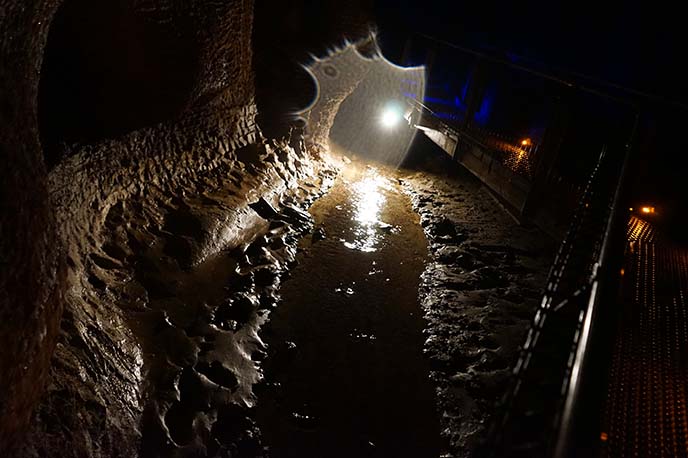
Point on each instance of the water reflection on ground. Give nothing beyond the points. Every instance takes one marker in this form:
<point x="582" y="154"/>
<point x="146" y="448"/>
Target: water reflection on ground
<point x="369" y="191"/>
<point x="353" y="381"/>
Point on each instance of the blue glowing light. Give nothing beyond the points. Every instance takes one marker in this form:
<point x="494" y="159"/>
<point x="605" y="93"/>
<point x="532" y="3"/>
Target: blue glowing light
<point x="482" y="116"/>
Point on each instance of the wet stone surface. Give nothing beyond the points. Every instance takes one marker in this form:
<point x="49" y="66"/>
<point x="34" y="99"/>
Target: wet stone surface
<point x="159" y="351"/>
<point x="479" y="290"/>
<point x="179" y="322"/>
<point x="349" y="363"/>
<point x="345" y="374"/>
<point x="200" y="331"/>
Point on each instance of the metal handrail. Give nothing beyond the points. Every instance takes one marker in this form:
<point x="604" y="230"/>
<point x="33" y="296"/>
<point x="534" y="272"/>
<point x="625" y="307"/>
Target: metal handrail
<point x="588" y="292"/>
<point x="602" y="271"/>
<point x="551" y="303"/>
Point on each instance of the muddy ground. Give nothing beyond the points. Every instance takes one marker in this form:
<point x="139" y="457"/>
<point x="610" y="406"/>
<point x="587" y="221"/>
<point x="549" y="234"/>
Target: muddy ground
<point x="346" y="375"/>
<point x="479" y="291"/>
<point x="481" y="280"/>
<point x="158" y="348"/>
<point x="179" y="307"/>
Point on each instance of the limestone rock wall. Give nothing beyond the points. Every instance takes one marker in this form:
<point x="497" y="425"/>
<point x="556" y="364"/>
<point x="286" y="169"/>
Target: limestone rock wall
<point x="53" y="224"/>
<point x="286" y="37"/>
<point x="91" y="216"/>
<point x="96" y="393"/>
<point x="31" y="283"/>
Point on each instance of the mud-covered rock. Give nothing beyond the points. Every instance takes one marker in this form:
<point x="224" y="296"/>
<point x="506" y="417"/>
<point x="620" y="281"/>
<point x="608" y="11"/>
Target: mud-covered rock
<point x="131" y="149"/>
<point x="479" y="293"/>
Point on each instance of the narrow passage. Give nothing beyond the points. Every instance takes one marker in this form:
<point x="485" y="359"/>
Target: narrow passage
<point x="346" y="376"/>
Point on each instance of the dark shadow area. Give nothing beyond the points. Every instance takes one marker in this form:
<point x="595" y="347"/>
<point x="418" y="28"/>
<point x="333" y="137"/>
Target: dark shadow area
<point x="659" y="173"/>
<point x="423" y="150"/>
<point x="108" y="70"/>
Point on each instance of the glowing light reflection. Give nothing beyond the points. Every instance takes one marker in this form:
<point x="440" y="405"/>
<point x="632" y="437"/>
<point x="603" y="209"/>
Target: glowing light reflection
<point x="391" y="117"/>
<point x="369" y="200"/>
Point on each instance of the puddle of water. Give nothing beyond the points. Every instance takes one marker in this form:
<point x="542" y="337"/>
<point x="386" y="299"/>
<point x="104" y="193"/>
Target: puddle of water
<point x="368" y="195"/>
<point x="346" y="376"/>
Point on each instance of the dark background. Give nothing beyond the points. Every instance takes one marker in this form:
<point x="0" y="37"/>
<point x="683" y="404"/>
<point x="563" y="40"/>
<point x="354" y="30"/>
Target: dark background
<point x="639" y="46"/>
<point x="634" y="51"/>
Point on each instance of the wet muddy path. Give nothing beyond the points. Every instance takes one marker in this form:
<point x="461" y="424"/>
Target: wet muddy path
<point x="346" y="375"/>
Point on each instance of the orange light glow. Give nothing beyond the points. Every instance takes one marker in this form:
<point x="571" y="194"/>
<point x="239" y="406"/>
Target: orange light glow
<point x="622" y="272"/>
<point x="604" y="437"/>
<point x="647" y="210"/>
<point x="630" y="209"/>
<point x="525" y="142"/>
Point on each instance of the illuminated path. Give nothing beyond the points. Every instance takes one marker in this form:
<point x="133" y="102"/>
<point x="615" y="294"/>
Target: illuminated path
<point x="645" y="415"/>
<point x="346" y="376"/>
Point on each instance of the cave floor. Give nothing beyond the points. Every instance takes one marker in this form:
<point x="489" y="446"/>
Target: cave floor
<point x="346" y="375"/>
<point x="392" y="311"/>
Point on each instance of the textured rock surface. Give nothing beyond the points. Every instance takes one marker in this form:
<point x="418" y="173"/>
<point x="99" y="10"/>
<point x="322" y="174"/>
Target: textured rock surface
<point x="165" y="235"/>
<point x="180" y="182"/>
<point x="479" y="292"/>
<point x="338" y="75"/>
<point x="146" y="351"/>
<point x="283" y="88"/>
<point x="180" y="202"/>
<point x="31" y="271"/>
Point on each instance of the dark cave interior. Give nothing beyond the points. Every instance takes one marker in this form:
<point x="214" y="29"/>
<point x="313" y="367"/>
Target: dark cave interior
<point x="108" y="70"/>
<point x="217" y="239"/>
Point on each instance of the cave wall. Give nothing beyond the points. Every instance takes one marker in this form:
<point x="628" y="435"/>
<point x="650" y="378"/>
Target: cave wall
<point x="287" y="35"/>
<point x="53" y="224"/>
<point x="356" y="126"/>
<point x="117" y="67"/>
<point x="73" y="167"/>
<point x="108" y="69"/>
<point x="338" y="76"/>
<point x="31" y="283"/>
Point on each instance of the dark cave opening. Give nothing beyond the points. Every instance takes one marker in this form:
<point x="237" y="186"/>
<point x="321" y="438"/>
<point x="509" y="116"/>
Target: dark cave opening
<point x="109" y="69"/>
<point x="286" y="36"/>
<point x="283" y="87"/>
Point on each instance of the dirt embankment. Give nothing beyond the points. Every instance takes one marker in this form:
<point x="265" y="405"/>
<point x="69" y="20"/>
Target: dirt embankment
<point x="172" y="280"/>
<point x="158" y="344"/>
<point x="479" y="291"/>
